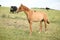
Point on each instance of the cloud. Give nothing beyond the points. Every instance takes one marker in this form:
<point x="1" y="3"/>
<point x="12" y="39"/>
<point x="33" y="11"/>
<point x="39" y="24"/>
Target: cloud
<point x="55" y="4"/>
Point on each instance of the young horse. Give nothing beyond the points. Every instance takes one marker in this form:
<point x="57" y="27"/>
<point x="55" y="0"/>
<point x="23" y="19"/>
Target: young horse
<point x="34" y="16"/>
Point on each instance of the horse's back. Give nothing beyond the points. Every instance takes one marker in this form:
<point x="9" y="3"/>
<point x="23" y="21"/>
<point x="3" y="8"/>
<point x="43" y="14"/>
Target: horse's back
<point x="38" y="16"/>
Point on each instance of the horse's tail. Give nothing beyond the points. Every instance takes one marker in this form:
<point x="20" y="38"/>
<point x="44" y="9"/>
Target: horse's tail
<point x="48" y="22"/>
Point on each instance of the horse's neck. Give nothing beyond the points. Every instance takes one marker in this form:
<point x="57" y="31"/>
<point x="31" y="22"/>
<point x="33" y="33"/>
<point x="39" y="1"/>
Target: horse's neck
<point x="28" y="13"/>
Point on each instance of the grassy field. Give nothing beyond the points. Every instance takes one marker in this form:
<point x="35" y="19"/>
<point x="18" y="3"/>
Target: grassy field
<point x="16" y="27"/>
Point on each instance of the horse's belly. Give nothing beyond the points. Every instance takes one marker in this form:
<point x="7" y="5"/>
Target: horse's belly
<point x="37" y="17"/>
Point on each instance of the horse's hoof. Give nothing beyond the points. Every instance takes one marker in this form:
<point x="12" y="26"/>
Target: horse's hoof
<point x="30" y="34"/>
<point x="46" y="31"/>
<point x="39" y="32"/>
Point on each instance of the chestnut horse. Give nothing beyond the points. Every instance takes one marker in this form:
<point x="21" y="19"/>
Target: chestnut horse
<point x="34" y="16"/>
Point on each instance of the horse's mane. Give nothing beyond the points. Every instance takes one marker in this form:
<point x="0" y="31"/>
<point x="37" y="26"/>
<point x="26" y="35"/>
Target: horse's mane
<point x="26" y="8"/>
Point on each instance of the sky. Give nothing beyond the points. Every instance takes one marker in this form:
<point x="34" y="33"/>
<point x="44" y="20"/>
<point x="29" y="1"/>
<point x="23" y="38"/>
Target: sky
<point x="54" y="4"/>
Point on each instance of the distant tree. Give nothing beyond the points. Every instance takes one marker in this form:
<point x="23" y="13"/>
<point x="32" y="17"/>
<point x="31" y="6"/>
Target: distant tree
<point x="13" y="9"/>
<point x="0" y="5"/>
<point x="47" y="8"/>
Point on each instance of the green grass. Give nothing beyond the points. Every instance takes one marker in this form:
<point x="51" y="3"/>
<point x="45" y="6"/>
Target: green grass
<point x="16" y="27"/>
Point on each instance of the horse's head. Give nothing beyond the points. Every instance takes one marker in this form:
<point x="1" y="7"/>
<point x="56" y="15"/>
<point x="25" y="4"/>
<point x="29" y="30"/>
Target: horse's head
<point x="22" y="8"/>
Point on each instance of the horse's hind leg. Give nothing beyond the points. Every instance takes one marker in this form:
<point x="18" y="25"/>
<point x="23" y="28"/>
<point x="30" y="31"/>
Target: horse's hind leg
<point x="45" y="25"/>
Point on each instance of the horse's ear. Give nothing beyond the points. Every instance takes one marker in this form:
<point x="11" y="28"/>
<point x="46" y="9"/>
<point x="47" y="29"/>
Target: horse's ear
<point x="21" y="4"/>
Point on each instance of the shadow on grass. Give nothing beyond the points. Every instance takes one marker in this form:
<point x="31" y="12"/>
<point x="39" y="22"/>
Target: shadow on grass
<point x="58" y="22"/>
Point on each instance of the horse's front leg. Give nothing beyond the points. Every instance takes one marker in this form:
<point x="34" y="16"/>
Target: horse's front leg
<point x="30" y="23"/>
<point x="40" y="26"/>
<point x="30" y="28"/>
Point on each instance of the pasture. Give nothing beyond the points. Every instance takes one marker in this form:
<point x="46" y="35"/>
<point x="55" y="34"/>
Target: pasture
<point x="16" y="27"/>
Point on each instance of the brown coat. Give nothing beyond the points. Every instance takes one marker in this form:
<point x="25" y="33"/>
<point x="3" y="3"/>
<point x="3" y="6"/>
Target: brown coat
<point x="34" y="16"/>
